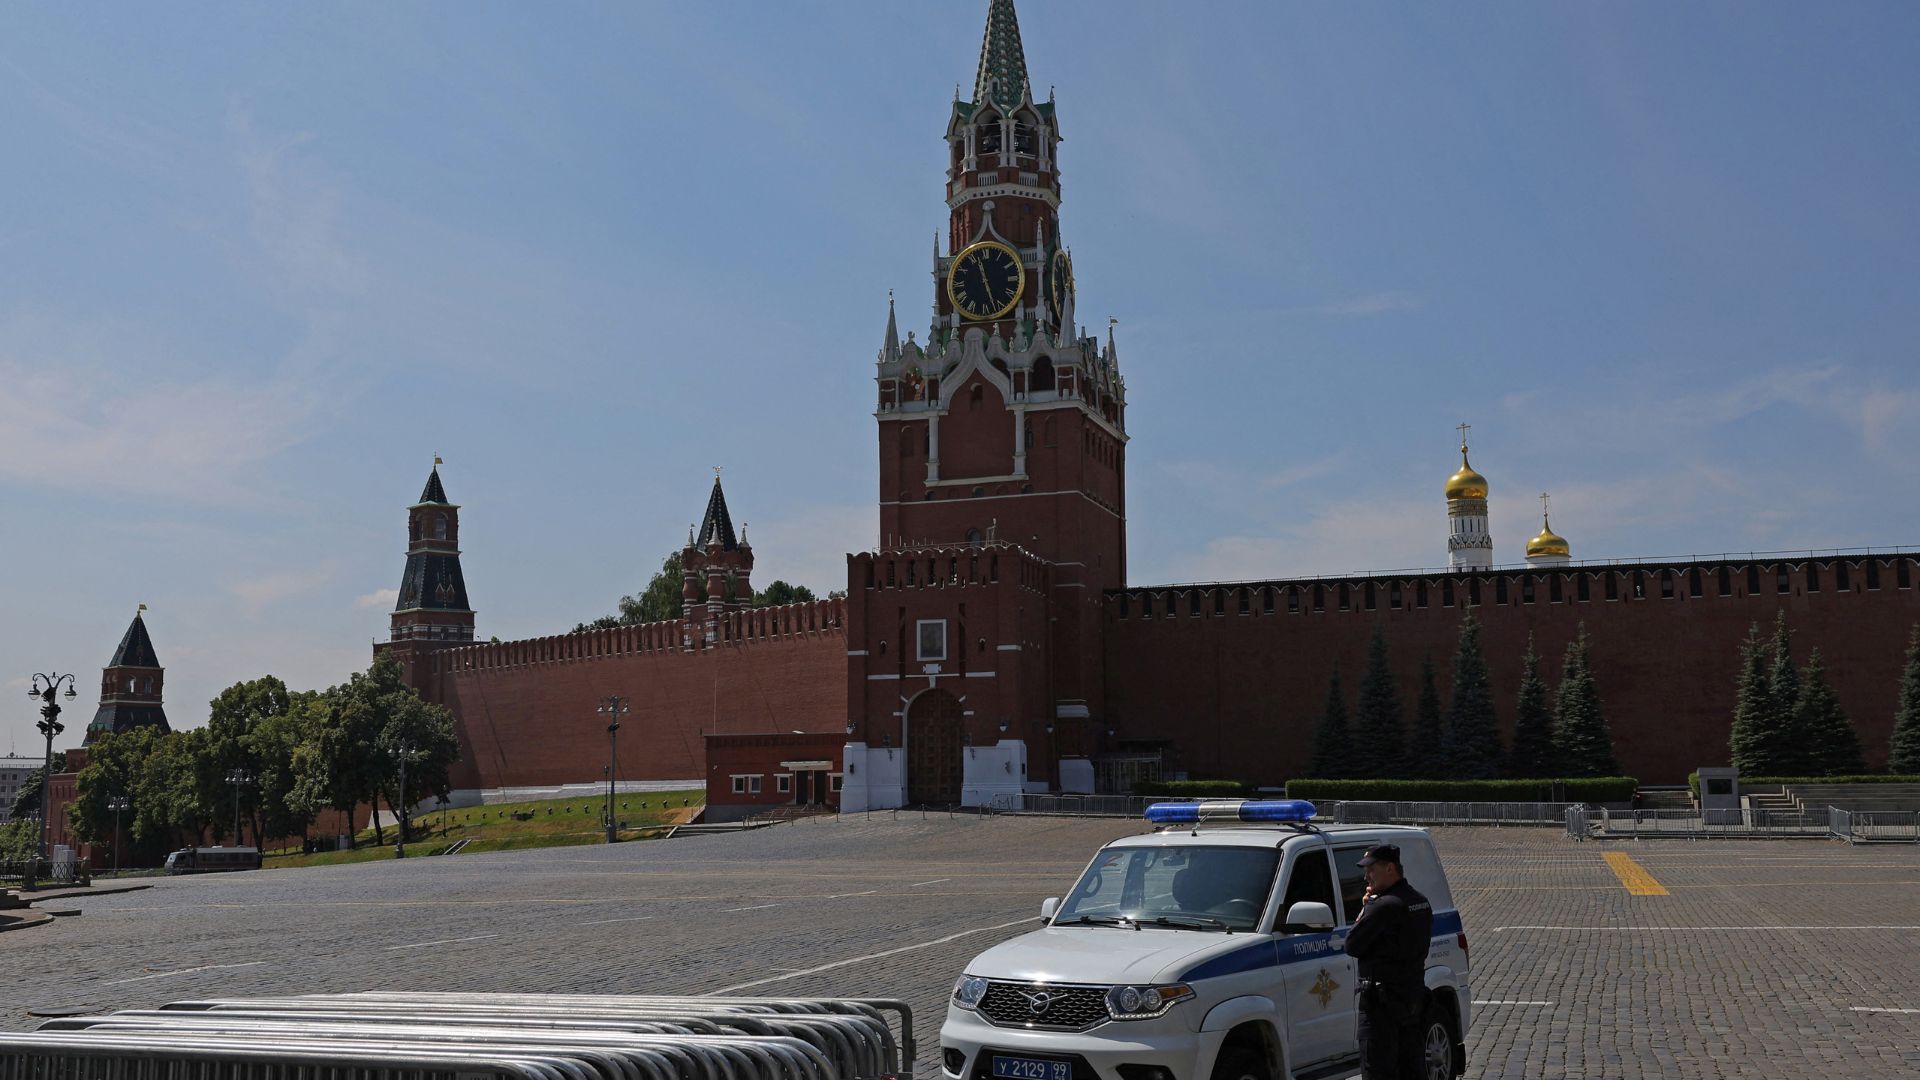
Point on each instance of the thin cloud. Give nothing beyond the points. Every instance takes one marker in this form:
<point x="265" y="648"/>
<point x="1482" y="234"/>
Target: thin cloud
<point x="378" y="598"/>
<point x="257" y="594"/>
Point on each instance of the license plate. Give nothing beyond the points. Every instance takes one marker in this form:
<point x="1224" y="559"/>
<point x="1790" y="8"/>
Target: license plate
<point x="1032" y="1068"/>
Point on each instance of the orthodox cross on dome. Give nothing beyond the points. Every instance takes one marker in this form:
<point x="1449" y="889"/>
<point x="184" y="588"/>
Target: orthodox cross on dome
<point x="1462" y="429"/>
<point x="1543" y="506"/>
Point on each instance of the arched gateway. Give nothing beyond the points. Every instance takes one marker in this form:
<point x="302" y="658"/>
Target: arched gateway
<point x="933" y="749"/>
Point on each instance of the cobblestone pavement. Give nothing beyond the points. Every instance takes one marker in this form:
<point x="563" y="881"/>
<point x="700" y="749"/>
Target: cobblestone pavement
<point x="1753" y="959"/>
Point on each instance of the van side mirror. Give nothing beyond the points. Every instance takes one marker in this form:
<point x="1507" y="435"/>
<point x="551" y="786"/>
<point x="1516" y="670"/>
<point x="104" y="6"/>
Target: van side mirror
<point x="1052" y="904"/>
<point x="1310" y="914"/>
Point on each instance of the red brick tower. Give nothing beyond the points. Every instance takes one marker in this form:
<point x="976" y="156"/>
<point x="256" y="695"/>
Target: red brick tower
<point x="716" y="571"/>
<point x="1005" y="431"/>
<point x="130" y="686"/>
<point x="432" y="612"/>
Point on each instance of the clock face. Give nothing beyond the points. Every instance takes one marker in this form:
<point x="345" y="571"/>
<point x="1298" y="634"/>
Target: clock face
<point x="986" y="280"/>
<point x="1059" y="284"/>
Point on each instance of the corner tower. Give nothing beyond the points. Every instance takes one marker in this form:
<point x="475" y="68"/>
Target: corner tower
<point x="432" y="612"/>
<point x="130" y="686"/>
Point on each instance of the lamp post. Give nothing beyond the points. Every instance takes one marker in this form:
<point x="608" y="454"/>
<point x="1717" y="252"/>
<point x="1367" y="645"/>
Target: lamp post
<point x="238" y="777"/>
<point x="118" y="804"/>
<point x="404" y="751"/>
<point x="47" y="689"/>
<point x="613" y="708"/>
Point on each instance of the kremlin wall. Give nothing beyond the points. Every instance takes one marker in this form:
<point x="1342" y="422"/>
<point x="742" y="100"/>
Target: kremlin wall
<point x="993" y="644"/>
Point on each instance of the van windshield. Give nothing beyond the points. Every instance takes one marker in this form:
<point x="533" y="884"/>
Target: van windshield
<point x="1191" y="888"/>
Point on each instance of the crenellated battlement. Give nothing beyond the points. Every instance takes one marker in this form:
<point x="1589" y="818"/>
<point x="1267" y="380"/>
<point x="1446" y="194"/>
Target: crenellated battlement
<point x="743" y="627"/>
<point x="1761" y="574"/>
<point x="950" y="567"/>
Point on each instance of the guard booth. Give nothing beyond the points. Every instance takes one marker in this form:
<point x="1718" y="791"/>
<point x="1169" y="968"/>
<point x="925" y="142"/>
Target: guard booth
<point x="1720" y="795"/>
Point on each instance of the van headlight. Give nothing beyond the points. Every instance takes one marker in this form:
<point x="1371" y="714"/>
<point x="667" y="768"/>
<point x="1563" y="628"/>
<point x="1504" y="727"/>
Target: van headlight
<point x="1145" y="1002"/>
<point x="968" y="990"/>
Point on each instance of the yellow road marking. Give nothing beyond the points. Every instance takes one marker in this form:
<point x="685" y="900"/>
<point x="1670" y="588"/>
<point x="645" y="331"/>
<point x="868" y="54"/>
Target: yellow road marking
<point x="1632" y="875"/>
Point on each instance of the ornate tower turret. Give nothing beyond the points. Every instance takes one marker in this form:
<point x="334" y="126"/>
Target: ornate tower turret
<point x="432" y="612"/>
<point x="1469" y="545"/>
<point x="722" y="563"/>
<point x="130" y="686"/>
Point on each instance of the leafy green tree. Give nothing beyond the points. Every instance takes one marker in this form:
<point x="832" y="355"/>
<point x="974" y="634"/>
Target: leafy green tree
<point x="348" y="766"/>
<point x="173" y="801"/>
<point x="1904" y="755"/>
<point x="661" y="601"/>
<point x="1532" y="756"/>
<point x="424" y="734"/>
<point x="1754" y="743"/>
<point x="1425" y="747"/>
<point x="1833" y="746"/>
<point x="1379" y="726"/>
<point x="1333" y="757"/>
<point x="1582" y="742"/>
<point x="233" y="719"/>
<point x="1470" y="742"/>
<point x="285" y="807"/>
<point x="779" y="592"/>
<point x="115" y="763"/>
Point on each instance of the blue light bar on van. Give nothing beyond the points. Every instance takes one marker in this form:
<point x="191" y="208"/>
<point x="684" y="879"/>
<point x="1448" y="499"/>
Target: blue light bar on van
<point x="1266" y="810"/>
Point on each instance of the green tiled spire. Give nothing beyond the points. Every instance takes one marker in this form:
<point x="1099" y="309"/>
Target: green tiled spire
<point x="1003" y="63"/>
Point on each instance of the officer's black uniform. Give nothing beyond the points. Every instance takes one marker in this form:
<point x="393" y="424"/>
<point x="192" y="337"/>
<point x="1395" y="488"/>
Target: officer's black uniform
<point x="1390" y="941"/>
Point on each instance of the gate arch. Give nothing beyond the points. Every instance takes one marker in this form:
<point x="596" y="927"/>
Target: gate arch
<point x="933" y="749"/>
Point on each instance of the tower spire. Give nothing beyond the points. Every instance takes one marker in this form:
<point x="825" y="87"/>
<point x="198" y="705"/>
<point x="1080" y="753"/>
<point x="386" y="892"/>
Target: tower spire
<point x="890" y="348"/>
<point x="1003" y="62"/>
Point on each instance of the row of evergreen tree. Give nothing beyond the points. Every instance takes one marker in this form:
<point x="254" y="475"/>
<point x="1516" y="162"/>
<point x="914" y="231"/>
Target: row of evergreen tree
<point x="1787" y="721"/>
<point x="1562" y="733"/>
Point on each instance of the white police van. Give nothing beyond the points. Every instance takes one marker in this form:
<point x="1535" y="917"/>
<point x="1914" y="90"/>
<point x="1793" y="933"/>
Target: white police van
<point x="1192" y="953"/>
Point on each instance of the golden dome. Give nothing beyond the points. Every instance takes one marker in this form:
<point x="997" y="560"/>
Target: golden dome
<point x="1548" y="543"/>
<point x="1466" y="484"/>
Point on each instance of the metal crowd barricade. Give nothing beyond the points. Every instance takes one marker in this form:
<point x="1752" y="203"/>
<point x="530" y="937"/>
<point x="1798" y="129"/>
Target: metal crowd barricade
<point x="1880" y="826"/>
<point x="1375" y="812"/>
<point x="1084" y="805"/>
<point x="426" y="1036"/>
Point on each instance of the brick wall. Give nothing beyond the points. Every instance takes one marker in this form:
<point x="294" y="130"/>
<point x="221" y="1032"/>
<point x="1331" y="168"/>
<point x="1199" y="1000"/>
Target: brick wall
<point x="526" y="709"/>
<point x="1240" y="694"/>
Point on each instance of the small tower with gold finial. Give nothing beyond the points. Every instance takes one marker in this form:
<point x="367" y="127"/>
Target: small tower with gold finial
<point x="1548" y="548"/>
<point x="1469" y="544"/>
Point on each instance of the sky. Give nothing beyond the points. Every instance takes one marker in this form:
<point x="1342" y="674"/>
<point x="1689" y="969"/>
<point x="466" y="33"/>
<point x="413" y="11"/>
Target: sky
<point x="263" y="262"/>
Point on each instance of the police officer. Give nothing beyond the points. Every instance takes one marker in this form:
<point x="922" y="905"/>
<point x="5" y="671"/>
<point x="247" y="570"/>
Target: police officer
<point x="1390" y="942"/>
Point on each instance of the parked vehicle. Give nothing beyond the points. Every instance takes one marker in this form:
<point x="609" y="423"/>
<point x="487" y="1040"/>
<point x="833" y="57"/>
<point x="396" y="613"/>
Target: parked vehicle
<point x="212" y="860"/>
<point x="1212" y="948"/>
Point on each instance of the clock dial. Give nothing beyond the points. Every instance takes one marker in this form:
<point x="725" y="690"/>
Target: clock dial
<point x="1059" y="284"/>
<point x="986" y="280"/>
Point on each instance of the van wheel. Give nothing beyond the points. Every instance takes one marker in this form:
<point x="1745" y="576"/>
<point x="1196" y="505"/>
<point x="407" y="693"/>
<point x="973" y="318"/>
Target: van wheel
<point x="1240" y="1063"/>
<point x="1436" y="1043"/>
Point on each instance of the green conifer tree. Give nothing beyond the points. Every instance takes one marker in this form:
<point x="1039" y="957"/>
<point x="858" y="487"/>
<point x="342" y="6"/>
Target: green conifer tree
<point x="1470" y="741"/>
<point x="1833" y="746"/>
<point x="1794" y="755"/>
<point x="1381" y="730"/>
<point x="1754" y="744"/>
<point x="1582" y="742"/>
<point x="1904" y="755"/>
<point x="1532" y="756"/>
<point x="1423" y="760"/>
<point x="1333" y="757"/>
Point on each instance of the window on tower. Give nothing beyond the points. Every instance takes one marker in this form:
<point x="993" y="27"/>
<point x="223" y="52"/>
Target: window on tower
<point x="988" y="139"/>
<point x="1023" y="138"/>
<point x="439" y="526"/>
<point x="1042" y="378"/>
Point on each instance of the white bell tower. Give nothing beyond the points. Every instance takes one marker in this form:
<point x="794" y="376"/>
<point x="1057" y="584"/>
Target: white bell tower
<point x="1469" y="544"/>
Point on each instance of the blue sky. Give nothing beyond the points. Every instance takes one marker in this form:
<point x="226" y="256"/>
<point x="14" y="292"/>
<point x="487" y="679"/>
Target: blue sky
<point x="264" y="261"/>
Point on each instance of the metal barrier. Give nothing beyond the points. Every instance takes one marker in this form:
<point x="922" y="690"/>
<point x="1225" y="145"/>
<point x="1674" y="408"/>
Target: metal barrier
<point x="389" y="1036"/>
<point x="1131" y="806"/>
<point x="1356" y="812"/>
<point x="1874" y="826"/>
<point x="29" y="873"/>
<point x="1586" y="823"/>
<point x="1580" y="821"/>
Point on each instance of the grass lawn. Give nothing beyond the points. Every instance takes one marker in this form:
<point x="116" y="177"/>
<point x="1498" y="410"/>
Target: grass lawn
<point x="505" y="826"/>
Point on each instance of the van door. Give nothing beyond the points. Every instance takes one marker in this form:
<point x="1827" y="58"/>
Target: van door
<point x="1315" y="969"/>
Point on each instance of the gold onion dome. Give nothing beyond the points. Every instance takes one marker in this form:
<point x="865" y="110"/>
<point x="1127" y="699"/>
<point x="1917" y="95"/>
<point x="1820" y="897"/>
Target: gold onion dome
<point x="1466" y="484"/>
<point x="1547" y="542"/>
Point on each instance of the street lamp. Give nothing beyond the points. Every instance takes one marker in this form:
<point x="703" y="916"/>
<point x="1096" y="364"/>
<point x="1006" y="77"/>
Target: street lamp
<point x="613" y="708"/>
<point x="119" y="805"/>
<point x="238" y="777"/>
<point x="47" y="689"/>
<point x="404" y="751"/>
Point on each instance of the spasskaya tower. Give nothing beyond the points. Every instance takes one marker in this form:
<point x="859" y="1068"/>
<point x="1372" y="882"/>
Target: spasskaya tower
<point x="1002" y="446"/>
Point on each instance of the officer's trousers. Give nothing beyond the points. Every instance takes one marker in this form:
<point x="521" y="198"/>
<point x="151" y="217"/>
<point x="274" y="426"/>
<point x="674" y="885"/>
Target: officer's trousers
<point x="1389" y="1049"/>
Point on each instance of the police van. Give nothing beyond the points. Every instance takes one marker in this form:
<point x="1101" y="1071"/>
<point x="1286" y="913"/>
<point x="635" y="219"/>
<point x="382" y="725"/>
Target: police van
<point x="1213" y="947"/>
